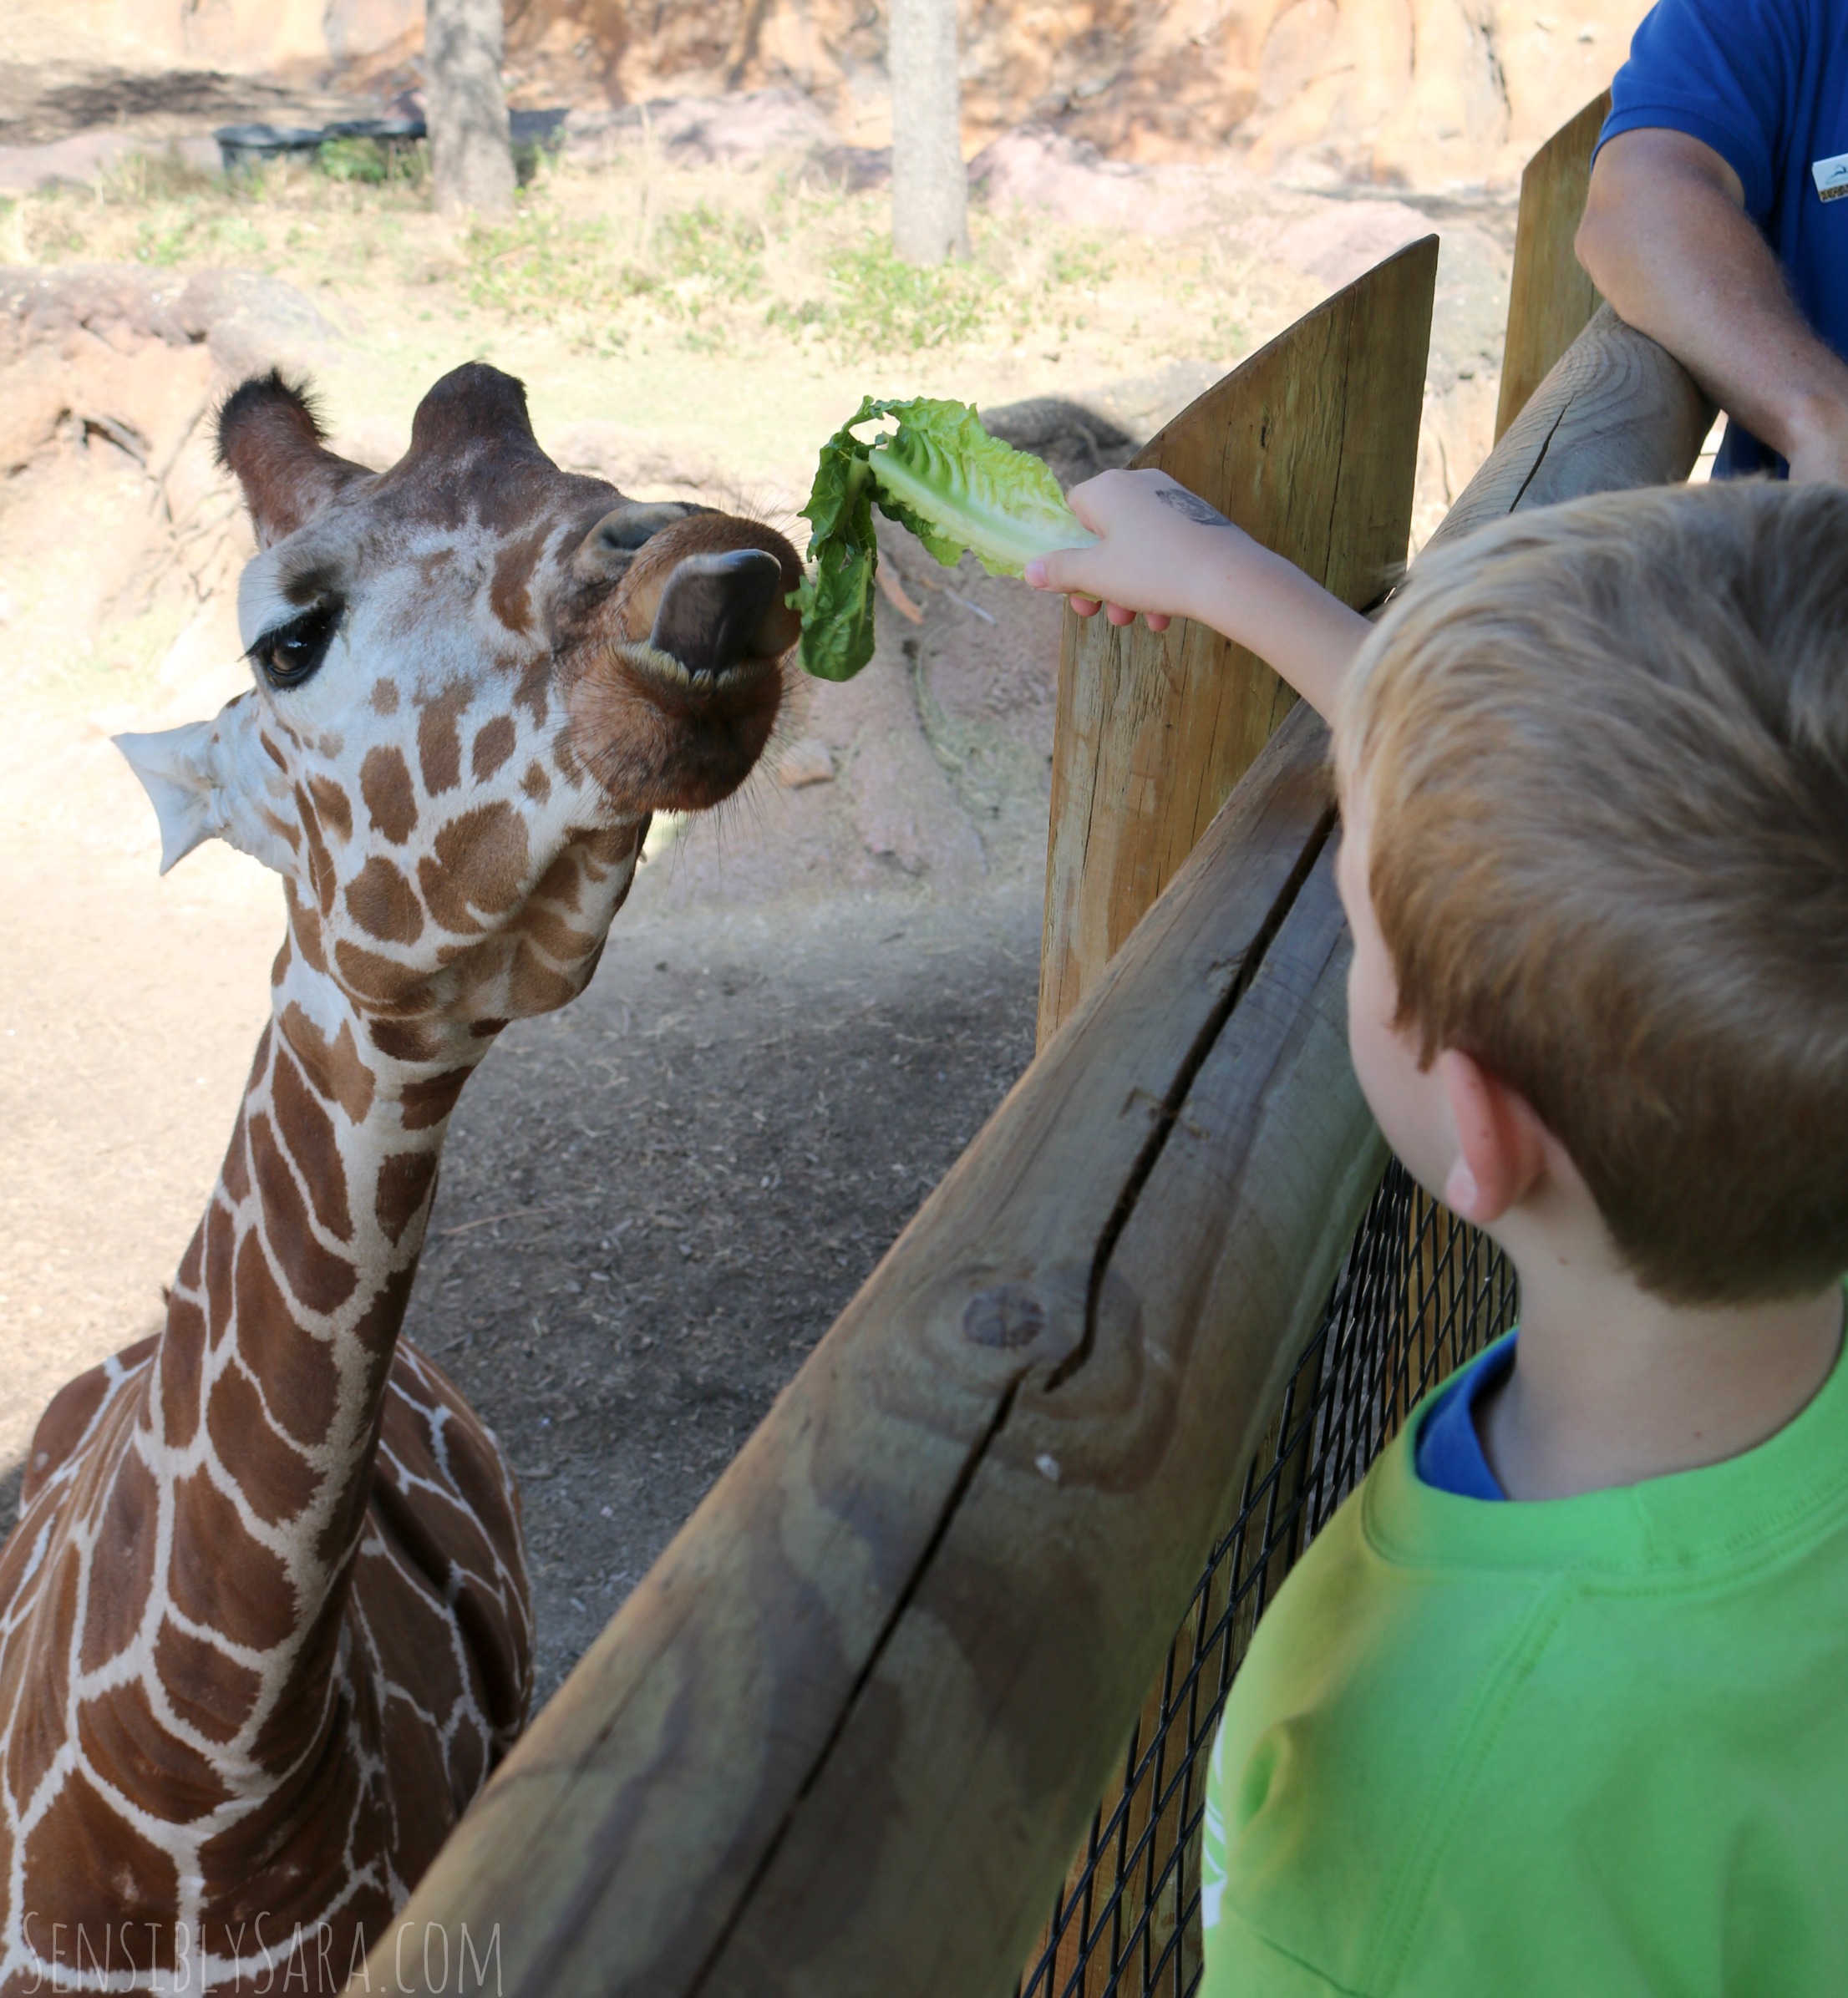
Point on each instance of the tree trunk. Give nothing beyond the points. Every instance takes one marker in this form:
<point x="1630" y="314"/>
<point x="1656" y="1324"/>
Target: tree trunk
<point x="471" y="154"/>
<point x="930" y="183"/>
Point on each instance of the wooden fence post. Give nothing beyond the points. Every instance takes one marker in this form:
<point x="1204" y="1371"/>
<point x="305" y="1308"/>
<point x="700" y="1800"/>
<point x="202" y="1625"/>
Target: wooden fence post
<point x="1551" y="299"/>
<point x="1312" y="447"/>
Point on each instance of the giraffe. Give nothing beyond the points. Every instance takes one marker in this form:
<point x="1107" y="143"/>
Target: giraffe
<point x="264" y="1620"/>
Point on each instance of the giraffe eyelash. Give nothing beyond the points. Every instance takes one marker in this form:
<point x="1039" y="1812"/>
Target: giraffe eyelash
<point x="289" y="654"/>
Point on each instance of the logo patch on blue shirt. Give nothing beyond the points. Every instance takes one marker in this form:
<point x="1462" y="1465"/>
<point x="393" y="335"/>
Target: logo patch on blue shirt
<point x="1831" y="177"/>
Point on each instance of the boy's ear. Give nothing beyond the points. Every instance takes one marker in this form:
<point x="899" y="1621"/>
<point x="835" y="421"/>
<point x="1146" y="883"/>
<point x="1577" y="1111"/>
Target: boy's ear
<point x="1502" y="1143"/>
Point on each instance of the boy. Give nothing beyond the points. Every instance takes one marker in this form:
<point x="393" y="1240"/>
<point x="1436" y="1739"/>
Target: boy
<point x="1558" y="1702"/>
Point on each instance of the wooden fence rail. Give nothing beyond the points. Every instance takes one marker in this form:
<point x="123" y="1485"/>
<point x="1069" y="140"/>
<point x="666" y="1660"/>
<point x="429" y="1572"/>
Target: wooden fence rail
<point x="847" y="1733"/>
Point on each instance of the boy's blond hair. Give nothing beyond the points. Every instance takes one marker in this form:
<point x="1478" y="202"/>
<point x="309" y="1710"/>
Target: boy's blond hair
<point x="1602" y="751"/>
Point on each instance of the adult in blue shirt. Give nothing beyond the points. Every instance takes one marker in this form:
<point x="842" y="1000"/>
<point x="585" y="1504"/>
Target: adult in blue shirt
<point x="1718" y="220"/>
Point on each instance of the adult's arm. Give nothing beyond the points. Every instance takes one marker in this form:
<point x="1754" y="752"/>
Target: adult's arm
<point x="1666" y="240"/>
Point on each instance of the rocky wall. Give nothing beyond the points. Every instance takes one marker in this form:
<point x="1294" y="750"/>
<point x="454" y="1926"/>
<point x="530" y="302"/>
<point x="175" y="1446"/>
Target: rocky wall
<point x="1419" y="93"/>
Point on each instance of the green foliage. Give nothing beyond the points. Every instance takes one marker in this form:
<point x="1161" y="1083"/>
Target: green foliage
<point x="350" y="159"/>
<point x="544" y="266"/>
<point x="196" y="231"/>
<point x="707" y="254"/>
<point x="883" y="303"/>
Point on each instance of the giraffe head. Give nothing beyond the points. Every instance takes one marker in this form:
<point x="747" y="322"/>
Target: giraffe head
<point x="475" y="676"/>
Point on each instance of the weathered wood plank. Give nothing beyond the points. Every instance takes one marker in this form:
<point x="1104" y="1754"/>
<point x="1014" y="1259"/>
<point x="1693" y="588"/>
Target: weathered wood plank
<point x="631" y="1830"/>
<point x="1120" y="1463"/>
<point x="1615" y="411"/>
<point x="1551" y="299"/>
<point x="1310" y="446"/>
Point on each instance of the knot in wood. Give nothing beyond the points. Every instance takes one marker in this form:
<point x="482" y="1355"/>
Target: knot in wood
<point x="1008" y="1315"/>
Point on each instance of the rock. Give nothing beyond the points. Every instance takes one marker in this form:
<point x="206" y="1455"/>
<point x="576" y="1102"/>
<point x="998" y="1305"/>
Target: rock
<point x="1341" y="241"/>
<point x="739" y="130"/>
<point x="1076" y="441"/>
<point x="807" y="762"/>
<point x="252" y="322"/>
<point x="1035" y="167"/>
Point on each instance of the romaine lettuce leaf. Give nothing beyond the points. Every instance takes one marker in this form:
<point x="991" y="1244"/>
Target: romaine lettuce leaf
<point x="941" y="475"/>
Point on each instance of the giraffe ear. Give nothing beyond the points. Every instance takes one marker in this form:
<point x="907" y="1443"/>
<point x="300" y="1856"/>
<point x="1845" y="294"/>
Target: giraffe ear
<point x="175" y="767"/>
<point x="270" y="436"/>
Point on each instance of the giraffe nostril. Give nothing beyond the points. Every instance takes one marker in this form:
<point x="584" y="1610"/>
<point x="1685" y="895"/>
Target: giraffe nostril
<point x="717" y="610"/>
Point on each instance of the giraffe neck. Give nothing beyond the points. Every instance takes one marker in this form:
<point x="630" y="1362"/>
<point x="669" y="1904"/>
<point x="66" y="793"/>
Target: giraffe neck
<point x="265" y="1406"/>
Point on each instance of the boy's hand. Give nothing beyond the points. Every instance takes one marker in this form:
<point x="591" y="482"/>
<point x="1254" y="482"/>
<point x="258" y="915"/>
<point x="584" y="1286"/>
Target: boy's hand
<point x="1153" y="537"/>
<point x="1166" y="553"/>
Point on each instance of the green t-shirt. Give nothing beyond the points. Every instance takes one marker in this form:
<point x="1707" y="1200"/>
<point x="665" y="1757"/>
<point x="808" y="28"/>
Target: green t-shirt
<point x="1568" y="1748"/>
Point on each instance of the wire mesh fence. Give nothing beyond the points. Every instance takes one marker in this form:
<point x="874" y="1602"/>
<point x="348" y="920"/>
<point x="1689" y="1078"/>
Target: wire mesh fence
<point x="1418" y="1293"/>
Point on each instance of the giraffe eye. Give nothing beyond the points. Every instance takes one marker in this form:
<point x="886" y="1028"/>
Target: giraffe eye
<point x="290" y="653"/>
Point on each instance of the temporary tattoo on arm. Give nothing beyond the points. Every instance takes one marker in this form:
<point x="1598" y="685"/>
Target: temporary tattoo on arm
<point x="1192" y="505"/>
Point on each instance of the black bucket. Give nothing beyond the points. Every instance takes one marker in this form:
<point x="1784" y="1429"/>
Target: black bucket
<point x="251" y="144"/>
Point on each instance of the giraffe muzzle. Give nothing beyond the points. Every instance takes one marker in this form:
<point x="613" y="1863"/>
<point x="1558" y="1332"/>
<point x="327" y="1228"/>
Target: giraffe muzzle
<point x="724" y="614"/>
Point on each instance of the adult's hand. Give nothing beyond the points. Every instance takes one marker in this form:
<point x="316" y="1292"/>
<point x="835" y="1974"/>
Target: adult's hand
<point x="1666" y="240"/>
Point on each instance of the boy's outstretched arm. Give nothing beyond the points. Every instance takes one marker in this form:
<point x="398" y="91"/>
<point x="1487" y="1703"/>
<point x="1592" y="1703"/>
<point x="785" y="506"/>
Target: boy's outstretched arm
<point x="1166" y="553"/>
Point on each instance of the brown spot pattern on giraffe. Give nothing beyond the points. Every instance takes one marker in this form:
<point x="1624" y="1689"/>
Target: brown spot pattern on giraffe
<point x="535" y="987"/>
<point x="145" y="1759"/>
<point x="377" y="980"/>
<point x="221" y="1262"/>
<point x="112" y="1878"/>
<point x="485" y="852"/>
<point x="320" y="1280"/>
<point x="278" y="1482"/>
<point x="334" y="806"/>
<point x="384" y="905"/>
<point x="562" y="883"/>
<point x="403" y="1180"/>
<point x="554" y="935"/>
<point x="182" y="1359"/>
<point x="536" y="784"/>
<point x="533" y="692"/>
<point x="440" y="742"/>
<point x="305" y="927"/>
<point x="391" y="799"/>
<point x="321" y="870"/>
<point x="423" y="1104"/>
<point x="31" y="1751"/>
<point x="313" y="1144"/>
<point x="384" y="697"/>
<point x="303" y="1380"/>
<point x="210" y="1692"/>
<point x="406" y="1040"/>
<point x="494" y="743"/>
<point x="113" y="1614"/>
<point x="447" y="899"/>
<point x="508" y="597"/>
<point x="240" y="1590"/>
<point x="337" y="1070"/>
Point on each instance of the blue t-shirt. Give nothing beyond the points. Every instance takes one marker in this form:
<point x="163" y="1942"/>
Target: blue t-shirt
<point x="1765" y="82"/>
<point x="1449" y="1456"/>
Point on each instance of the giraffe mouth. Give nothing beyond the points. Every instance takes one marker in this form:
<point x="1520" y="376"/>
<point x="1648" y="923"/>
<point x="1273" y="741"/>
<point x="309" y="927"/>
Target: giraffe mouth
<point x="674" y="721"/>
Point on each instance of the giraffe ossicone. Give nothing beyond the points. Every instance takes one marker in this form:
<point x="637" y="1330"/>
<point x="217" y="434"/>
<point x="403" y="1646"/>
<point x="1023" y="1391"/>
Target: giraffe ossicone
<point x="264" y="1621"/>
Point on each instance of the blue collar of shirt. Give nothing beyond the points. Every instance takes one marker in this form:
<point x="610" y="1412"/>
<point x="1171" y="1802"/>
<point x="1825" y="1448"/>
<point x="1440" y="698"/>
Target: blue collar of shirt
<point x="1449" y="1456"/>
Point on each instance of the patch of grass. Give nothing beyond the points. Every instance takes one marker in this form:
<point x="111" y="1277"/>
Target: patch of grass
<point x="544" y="266"/>
<point x="706" y="252"/>
<point x="361" y="160"/>
<point x="879" y="302"/>
<point x="191" y="231"/>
